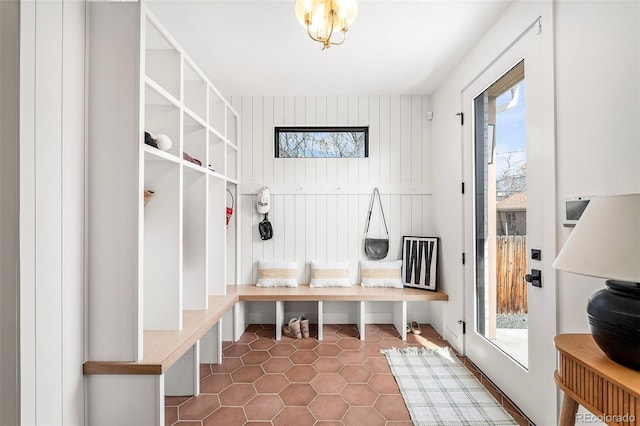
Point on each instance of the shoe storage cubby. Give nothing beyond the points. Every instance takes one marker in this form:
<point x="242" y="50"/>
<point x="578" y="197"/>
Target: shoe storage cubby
<point x="152" y="265"/>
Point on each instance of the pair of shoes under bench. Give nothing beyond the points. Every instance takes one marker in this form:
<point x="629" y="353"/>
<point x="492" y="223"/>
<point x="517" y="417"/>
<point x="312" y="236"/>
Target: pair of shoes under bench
<point x="297" y="328"/>
<point x="414" y="328"/>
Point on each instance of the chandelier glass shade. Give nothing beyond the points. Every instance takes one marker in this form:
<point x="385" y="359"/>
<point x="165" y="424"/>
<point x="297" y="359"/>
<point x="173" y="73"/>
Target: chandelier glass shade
<point x="324" y="18"/>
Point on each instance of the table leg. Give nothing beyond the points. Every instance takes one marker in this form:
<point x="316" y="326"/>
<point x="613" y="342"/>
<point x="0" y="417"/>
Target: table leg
<point x="568" y="411"/>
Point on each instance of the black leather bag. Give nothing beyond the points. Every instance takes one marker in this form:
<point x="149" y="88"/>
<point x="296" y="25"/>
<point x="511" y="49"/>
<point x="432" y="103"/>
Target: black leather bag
<point x="265" y="228"/>
<point x="376" y="248"/>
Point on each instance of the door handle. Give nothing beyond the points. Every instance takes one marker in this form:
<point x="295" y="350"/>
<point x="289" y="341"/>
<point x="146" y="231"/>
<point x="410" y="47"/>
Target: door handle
<point x="535" y="278"/>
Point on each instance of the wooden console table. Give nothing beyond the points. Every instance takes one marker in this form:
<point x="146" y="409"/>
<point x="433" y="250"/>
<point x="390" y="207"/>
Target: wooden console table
<point x="589" y="378"/>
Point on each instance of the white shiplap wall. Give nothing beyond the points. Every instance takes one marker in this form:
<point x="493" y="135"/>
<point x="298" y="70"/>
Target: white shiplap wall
<point x="319" y="206"/>
<point x="52" y="118"/>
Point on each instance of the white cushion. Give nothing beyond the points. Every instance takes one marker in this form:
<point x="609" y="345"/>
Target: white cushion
<point x="334" y="274"/>
<point x="381" y="274"/>
<point x="277" y="273"/>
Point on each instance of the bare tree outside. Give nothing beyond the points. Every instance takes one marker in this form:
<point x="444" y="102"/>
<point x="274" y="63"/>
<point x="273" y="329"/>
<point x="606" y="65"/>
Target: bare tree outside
<point x="513" y="175"/>
<point x="321" y="143"/>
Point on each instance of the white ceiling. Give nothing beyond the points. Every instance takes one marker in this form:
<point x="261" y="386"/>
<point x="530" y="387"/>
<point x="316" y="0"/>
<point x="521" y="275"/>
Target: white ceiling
<point x="393" y="47"/>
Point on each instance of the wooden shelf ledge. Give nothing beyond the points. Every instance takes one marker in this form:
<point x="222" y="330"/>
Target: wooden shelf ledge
<point x="353" y="293"/>
<point x="163" y="348"/>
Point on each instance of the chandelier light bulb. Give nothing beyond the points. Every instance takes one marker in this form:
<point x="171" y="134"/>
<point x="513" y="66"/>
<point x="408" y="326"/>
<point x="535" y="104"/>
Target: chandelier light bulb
<point x="324" y="18"/>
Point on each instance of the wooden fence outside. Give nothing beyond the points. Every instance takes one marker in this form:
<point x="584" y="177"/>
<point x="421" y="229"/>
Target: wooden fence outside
<point x="511" y="267"/>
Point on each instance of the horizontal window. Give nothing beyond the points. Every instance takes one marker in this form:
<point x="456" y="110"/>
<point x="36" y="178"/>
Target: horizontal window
<point x="322" y="142"/>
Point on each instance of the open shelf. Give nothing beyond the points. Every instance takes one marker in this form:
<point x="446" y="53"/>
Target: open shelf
<point x="217" y="236"/>
<point x="162" y="60"/>
<point x="162" y="117"/>
<point x="216" y="153"/>
<point x="232" y="126"/>
<point x="194" y="139"/>
<point x="231" y="230"/>
<point x="194" y="257"/>
<point x="162" y="246"/>
<point x="232" y="163"/>
<point x="154" y="268"/>
<point x="217" y="112"/>
<point x="195" y="91"/>
<point x="156" y="95"/>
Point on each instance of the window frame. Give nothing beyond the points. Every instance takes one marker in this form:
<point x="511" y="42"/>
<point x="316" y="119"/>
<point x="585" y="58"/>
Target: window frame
<point x="320" y="129"/>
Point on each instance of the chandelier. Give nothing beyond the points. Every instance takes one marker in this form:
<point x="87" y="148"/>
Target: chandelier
<point x="323" y="18"/>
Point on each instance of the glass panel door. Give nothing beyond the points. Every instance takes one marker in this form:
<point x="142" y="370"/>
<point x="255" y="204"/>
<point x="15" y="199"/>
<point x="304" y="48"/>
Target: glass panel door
<point x="501" y="214"/>
<point x="510" y="106"/>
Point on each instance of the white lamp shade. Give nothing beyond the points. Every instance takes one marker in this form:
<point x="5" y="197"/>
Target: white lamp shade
<point x="606" y="240"/>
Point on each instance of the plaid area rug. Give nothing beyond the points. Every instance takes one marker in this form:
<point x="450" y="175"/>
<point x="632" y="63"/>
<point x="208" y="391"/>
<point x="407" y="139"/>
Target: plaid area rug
<point x="439" y="390"/>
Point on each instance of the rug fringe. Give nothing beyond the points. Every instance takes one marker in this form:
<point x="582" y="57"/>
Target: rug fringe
<point x="413" y="350"/>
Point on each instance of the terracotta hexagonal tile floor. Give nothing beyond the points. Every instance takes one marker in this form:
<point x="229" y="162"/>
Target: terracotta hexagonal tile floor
<point x="328" y="407"/>
<point x="255" y="357"/>
<point x="237" y="394"/>
<point x="226" y="416"/>
<point x="350" y="343"/>
<point x="328" y="365"/>
<point x="338" y="381"/>
<point x="236" y="350"/>
<point x="328" y="383"/>
<point x="277" y="365"/>
<point x="384" y="384"/>
<point x="282" y="349"/>
<point x="262" y="344"/>
<point x="247" y="374"/>
<point x="352" y="357"/>
<point x="294" y="416"/>
<point x="198" y="408"/>
<point x="359" y="395"/>
<point x="298" y="394"/>
<point x="263" y="407"/>
<point x="271" y="383"/>
<point x="390" y="406"/>
<point x="355" y="373"/>
<point x="303" y="357"/>
<point x="327" y="349"/>
<point x="228" y="366"/>
<point x="215" y="383"/>
<point x="363" y="416"/>
<point x="301" y="373"/>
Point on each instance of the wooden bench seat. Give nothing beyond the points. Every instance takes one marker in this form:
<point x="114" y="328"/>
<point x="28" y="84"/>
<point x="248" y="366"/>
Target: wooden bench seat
<point x="162" y="349"/>
<point x="356" y="293"/>
<point x="171" y="359"/>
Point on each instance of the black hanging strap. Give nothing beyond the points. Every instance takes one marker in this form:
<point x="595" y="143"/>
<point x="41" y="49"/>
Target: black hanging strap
<point x="373" y="197"/>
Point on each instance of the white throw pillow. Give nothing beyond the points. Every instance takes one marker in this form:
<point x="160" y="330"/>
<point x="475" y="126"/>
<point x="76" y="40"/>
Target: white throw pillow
<point x="334" y="274"/>
<point x="381" y="274"/>
<point x="277" y="273"/>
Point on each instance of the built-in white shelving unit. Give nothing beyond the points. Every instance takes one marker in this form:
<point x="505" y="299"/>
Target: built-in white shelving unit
<point x="148" y="264"/>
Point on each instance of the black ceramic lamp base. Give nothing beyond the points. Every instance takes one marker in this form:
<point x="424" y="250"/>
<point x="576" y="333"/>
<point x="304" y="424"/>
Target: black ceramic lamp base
<point x="614" y="318"/>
